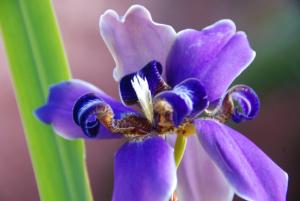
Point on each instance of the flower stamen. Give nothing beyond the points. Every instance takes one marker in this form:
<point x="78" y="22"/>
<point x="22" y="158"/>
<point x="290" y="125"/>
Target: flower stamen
<point x="163" y="114"/>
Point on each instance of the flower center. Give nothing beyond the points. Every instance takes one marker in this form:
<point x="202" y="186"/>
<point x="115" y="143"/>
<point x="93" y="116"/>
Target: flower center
<point x="165" y="110"/>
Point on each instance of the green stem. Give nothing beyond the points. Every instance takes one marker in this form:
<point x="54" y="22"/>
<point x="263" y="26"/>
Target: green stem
<point x="179" y="148"/>
<point x="37" y="60"/>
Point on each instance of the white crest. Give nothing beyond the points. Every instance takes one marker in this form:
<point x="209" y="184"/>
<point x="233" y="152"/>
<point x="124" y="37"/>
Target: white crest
<point x="144" y="96"/>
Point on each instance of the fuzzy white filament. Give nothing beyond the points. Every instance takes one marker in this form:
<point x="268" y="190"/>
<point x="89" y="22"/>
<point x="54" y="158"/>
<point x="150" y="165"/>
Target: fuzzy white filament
<point x="143" y="93"/>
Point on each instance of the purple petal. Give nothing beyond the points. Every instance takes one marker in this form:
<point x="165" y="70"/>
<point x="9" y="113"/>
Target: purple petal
<point x="194" y="94"/>
<point x="188" y="98"/>
<point x="135" y="39"/>
<point x="58" y="111"/>
<point x="199" y="178"/>
<point x="252" y="174"/>
<point x="144" y="171"/>
<point x="246" y="103"/>
<point x="152" y="72"/>
<point x="180" y="109"/>
<point x="216" y="56"/>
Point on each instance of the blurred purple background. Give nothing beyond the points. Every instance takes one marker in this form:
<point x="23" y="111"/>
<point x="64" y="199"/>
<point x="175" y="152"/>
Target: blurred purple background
<point x="276" y="130"/>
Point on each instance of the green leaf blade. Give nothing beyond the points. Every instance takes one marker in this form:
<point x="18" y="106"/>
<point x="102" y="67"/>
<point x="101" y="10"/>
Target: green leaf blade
<point x="37" y="60"/>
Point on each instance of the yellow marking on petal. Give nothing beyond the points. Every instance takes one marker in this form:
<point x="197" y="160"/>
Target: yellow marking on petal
<point x="186" y="129"/>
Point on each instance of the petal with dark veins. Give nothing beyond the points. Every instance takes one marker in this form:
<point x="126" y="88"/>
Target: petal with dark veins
<point x="251" y="173"/>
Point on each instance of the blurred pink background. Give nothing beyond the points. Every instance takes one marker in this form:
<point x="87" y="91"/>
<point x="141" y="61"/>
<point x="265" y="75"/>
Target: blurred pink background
<point x="276" y="130"/>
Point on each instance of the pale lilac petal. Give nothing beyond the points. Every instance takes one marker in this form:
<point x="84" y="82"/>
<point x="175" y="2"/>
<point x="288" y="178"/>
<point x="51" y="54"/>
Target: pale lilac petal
<point x="134" y="39"/>
<point x="252" y="174"/>
<point x="216" y="56"/>
<point x="199" y="179"/>
<point x="58" y="111"/>
<point x="144" y="171"/>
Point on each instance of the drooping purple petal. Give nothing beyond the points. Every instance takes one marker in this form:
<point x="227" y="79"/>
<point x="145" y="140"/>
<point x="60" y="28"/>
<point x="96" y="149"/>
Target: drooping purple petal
<point x="246" y="103"/>
<point x="216" y="56"/>
<point x="187" y="99"/>
<point x="199" y="178"/>
<point x="135" y="39"/>
<point x="252" y="174"/>
<point x="151" y="72"/>
<point x="58" y="111"/>
<point x="144" y="171"/>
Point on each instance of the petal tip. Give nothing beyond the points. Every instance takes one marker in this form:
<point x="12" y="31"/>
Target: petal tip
<point x="111" y="17"/>
<point x="142" y="12"/>
<point x="286" y="176"/>
<point x="243" y="36"/>
<point x="107" y="19"/>
<point x="42" y="114"/>
<point x="138" y="10"/>
<point x="222" y="25"/>
<point x="227" y="22"/>
<point x="253" y="55"/>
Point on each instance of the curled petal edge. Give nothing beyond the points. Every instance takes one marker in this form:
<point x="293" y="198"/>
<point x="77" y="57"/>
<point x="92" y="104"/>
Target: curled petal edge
<point x="58" y="111"/>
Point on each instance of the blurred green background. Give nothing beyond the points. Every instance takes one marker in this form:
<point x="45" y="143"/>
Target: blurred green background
<point x="273" y="28"/>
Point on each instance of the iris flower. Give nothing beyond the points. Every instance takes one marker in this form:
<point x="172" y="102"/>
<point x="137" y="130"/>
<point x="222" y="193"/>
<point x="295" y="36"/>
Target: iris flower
<point x="179" y="84"/>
